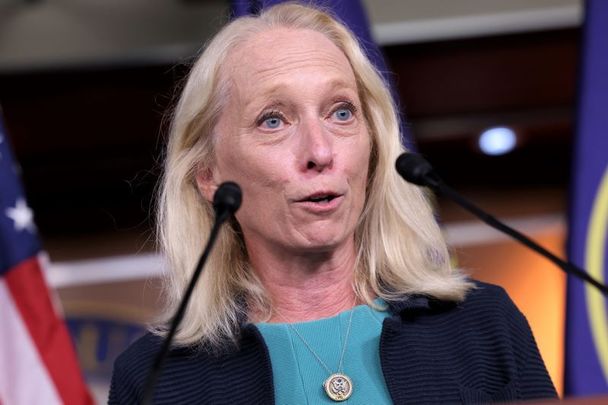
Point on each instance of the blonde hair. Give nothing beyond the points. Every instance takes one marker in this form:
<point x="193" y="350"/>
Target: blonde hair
<point x="400" y="247"/>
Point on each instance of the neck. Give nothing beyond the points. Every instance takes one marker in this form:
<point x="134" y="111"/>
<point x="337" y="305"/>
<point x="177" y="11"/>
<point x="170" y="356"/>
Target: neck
<point x="307" y="286"/>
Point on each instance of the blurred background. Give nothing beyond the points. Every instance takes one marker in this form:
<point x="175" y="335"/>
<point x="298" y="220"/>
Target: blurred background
<point x="487" y="87"/>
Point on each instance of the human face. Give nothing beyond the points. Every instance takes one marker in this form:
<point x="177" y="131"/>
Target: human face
<point x="293" y="136"/>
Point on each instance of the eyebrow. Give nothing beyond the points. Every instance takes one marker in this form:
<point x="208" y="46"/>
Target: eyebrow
<point x="272" y="93"/>
<point x="273" y="105"/>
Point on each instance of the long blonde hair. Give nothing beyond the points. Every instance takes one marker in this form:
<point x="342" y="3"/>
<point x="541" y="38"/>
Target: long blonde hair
<point x="399" y="244"/>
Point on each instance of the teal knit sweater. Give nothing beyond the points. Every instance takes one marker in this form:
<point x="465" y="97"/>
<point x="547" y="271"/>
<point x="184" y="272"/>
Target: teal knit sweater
<point x="297" y="373"/>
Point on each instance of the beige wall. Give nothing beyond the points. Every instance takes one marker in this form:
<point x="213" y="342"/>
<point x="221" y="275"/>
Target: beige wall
<point x="59" y="32"/>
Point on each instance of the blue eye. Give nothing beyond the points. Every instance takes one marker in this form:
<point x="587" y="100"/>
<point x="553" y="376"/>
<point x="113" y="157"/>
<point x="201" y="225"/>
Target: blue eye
<point x="272" y="122"/>
<point x="343" y="114"/>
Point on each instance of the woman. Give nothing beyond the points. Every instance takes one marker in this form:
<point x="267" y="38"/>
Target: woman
<point x="333" y="283"/>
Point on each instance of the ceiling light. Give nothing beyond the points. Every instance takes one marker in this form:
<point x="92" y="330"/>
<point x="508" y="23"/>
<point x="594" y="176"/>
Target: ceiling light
<point x="497" y="141"/>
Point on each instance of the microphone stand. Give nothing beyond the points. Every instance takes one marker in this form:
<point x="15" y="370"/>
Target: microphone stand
<point x="226" y="200"/>
<point x="413" y="168"/>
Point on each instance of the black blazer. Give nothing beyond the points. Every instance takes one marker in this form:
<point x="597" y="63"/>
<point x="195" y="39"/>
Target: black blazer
<point x="477" y="351"/>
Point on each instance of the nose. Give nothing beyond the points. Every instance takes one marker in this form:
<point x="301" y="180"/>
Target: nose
<point x="316" y="145"/>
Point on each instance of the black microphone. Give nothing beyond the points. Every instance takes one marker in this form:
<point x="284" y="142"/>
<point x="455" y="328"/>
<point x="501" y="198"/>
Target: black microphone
<point x="415" y="169"/>
<point x="226" y="201"/>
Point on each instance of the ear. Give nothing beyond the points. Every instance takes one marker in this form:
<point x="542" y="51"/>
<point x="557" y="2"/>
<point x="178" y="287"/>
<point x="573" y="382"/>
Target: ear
<point x="206" y="182"/>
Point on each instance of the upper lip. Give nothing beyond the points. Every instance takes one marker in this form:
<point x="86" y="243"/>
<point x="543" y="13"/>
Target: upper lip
<point x="319" y="195"/>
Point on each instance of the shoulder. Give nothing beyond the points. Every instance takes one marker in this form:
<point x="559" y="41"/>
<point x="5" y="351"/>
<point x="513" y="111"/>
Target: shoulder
<point x="488" y="298"/>
<point x="487" y="316"/>
<point x="490" y="304"/>
<point x="489" y="310"/>
<point x="483" y="343"/>
<point x="141" y="351"/>
<point x="500" y="322"/>
<point x="487" y="291"/>
<point x="248" y="364"/>
<point x="131" y="368"/>
<point x="482" y="300"/>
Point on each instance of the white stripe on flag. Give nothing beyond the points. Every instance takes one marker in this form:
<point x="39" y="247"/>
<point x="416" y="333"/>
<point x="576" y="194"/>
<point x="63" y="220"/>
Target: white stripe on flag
<point x="24" y="379"/>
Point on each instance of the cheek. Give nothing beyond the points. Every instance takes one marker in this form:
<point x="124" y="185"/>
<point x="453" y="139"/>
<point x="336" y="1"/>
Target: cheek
<point x="359" y="173"/>
<point x="359" y="159"/>
<point x="234" y="162"/>
<point x="262" y="176"/>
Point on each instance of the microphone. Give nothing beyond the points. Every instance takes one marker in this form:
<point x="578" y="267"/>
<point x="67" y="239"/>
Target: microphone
<point x="415" y="169"/>
<point x="226" y="201"/>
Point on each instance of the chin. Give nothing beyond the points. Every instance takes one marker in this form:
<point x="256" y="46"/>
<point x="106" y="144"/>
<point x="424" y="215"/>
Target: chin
<point x="324" y="244"/>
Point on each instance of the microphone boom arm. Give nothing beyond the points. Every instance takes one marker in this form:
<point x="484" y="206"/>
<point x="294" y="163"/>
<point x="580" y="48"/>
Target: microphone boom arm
<point x="413" y="168"/>
<point x="567" y="266"/>
<point x="226" y="201"/>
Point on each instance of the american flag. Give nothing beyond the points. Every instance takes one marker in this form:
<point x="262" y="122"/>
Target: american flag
<point x="38" y="364"/>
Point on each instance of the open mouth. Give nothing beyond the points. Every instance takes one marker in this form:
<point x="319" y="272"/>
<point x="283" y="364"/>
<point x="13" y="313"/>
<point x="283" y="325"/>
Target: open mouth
<point x="320" y="199"/>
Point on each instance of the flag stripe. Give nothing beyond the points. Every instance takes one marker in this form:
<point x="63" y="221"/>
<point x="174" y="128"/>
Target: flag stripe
<point x="24" y="378"/>
<point x="48" y="332"/>
<point x="39" y="364"/>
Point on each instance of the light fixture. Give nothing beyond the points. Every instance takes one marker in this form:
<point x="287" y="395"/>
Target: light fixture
<point x="497" y="141"/>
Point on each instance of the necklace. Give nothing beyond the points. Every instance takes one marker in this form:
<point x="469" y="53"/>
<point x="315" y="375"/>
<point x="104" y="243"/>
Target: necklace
<point x="338" y="386"/>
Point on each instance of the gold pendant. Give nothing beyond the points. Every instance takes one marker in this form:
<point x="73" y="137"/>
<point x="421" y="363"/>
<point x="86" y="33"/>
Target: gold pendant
<point x="338" y="387"/>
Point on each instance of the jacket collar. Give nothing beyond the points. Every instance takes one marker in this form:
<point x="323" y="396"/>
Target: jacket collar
<point x="407" y="305"/>
<point x="418" y="303"/>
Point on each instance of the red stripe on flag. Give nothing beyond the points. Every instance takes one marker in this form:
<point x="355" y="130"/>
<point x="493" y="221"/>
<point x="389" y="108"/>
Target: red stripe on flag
<point x="48" y="331"/>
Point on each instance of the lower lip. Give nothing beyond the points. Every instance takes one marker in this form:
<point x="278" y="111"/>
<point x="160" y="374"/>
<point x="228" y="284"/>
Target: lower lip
<point x="323" y="206"/>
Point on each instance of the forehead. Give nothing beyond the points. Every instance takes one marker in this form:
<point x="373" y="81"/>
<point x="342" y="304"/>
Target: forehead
<point x="276" y="54"/>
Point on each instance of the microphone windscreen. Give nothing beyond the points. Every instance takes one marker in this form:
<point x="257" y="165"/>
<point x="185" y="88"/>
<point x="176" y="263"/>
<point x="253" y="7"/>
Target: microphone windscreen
<point x="414" y="169"/>
<point x="227" y="198"/>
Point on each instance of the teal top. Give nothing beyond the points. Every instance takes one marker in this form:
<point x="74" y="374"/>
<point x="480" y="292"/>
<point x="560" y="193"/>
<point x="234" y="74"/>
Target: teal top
<point x="299" y="376"/>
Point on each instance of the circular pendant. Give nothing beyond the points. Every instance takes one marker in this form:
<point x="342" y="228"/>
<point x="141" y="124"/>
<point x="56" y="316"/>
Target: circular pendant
<point x="338" y="387"/>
